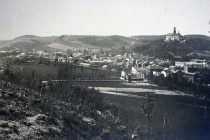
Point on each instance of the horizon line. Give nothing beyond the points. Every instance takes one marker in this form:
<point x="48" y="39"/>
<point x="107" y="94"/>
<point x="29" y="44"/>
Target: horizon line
<point x="97" y="35"/>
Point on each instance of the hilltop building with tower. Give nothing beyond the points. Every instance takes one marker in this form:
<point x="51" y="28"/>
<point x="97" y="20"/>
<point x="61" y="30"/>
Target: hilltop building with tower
<point x="173" y="36"/>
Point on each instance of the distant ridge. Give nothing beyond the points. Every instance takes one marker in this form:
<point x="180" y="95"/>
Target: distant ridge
<point x="197" y="36"/>
<point x="149" y="37"/>
<point x="145" y="44"/>
<point x="27" y="36"/>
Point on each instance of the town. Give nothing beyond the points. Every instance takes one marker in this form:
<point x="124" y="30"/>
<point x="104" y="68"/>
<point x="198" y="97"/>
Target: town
<point x="104" y="70"/>
<point x="105" y="92"/>
<point x="125" y="66"/>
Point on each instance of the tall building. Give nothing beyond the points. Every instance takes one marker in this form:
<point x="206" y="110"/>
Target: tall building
<point x="173" y="36"/>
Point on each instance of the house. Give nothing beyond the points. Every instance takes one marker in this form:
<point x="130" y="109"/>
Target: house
<point x="52" y="58"/>
<point x="77" y="55"/>
<point x="180" y="64"/>
<point x="193" y="63"/>
<point x="190" y="76"/>
<point x="165" y="73"/>
<point x="123" y="75"/>
<point x="62" y="59"/>
<point x="154" y="69"/>
<point x="87" y="57"/>
<point x="58" y="54"/>
<point x="2" y="70"/>
<point x="70" y="59"/>
<point x="104" y="67"/>
<point x="21" y="55"/>
<point x="120" y="64"/>
<point x="107" y="61"/>
<point x="138" y="73"/>
<point x="156" y="73"/>
<point x="94" y="56"/>
<point x="84" y="64"/>
<point x="176" y="73"/>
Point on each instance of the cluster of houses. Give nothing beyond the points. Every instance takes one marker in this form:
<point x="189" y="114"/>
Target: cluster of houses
<point x="143" y="70"/>
<point x="97" y="59"/>
<point x="131" y="65"/>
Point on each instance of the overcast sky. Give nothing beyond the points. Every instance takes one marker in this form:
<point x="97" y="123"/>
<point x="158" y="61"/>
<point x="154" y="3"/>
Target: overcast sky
<point x="103" y="17"/>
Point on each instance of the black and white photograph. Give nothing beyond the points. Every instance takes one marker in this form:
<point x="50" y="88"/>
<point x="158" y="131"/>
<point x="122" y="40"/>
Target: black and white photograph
<point x="104" y="69"/>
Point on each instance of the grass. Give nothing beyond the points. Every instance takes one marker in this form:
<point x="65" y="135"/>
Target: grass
<point x="60" y="46"/>
<point x="181" y="121"/>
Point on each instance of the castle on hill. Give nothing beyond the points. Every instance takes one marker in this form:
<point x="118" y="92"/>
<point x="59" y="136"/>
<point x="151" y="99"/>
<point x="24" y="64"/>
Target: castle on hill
<point x="173" y="36"/>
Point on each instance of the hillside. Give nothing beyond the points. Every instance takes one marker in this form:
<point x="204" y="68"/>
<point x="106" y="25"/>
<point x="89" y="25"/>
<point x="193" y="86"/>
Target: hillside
<point x="152" y="45"/>
<point x="65" y="42"/>
<point x="26" y="114"/>
<point x="149" y="37"/>
<point x="202" y="37"/>
<point x="195" y="46"/>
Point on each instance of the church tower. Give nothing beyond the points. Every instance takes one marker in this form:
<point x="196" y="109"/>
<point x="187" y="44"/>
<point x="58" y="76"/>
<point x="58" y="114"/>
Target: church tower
<point x="174" y="30"/>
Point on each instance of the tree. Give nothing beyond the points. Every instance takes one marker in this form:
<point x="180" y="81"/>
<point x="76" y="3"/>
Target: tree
<point x="69" y="52"/>
<point x="33" y="73"/>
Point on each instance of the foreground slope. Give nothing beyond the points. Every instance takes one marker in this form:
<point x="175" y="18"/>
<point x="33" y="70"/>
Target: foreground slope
<point x="25" y="114"/>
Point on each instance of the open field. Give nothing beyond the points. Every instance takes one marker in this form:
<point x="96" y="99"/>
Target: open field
<point x="169" y="120"/>
<point x="174" y="115"/>
<point x="138" y="91"/>
<point x="60" y="46"/>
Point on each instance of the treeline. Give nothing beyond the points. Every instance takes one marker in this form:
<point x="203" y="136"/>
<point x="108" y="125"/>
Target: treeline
<point x="164" y="50"/>
<point x="66" y="91"/>
<point x="60" y="89"/>
<point x="29" y="81"/>
<point x="180" y="83"/>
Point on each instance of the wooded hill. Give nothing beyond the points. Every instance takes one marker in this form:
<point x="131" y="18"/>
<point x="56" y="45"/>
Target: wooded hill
<point x="195" y="45"/>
